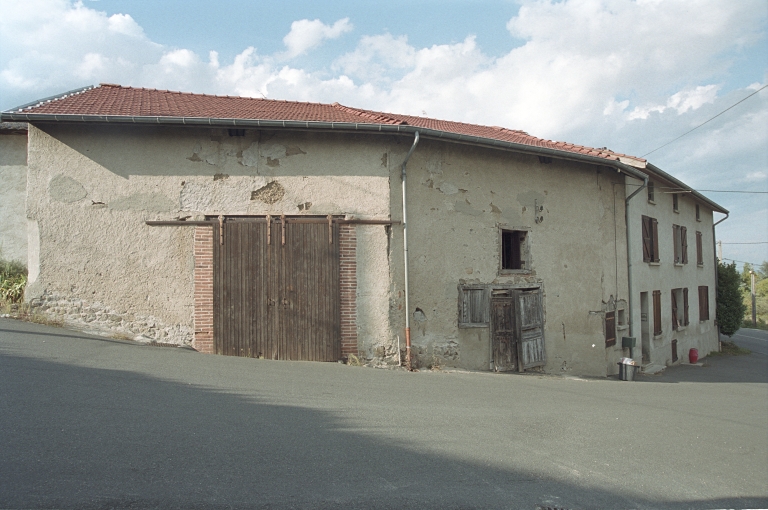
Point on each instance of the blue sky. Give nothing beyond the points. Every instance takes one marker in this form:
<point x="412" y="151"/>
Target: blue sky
<point x="628" y="75"/>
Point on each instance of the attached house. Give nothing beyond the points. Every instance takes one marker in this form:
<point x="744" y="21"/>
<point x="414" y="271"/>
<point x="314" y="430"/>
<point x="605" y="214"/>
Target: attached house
<point x="304" y="231"/>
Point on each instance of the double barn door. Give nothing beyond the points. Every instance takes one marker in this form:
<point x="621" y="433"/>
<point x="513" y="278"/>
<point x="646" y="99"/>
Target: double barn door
<point x="276" y="290"/>
<point x="517" y="326"/>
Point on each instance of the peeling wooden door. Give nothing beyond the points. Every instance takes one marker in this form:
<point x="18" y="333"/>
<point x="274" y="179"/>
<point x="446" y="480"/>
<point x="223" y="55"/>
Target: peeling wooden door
<point x="530" y="329"/>
<point x="503" y="331"/>
<point x="276" y="290"/>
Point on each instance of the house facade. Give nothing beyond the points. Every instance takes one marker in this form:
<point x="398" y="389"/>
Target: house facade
<point x="279" y="230"/>
<point x="13" y="176"/>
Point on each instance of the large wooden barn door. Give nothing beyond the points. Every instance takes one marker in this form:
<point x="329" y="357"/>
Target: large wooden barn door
<point x="503" y="331"/>
<point x="276" y="291"/>
<point x="530" y="329"/>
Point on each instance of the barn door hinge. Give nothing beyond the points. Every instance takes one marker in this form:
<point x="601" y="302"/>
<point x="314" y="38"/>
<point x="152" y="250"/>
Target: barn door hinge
<point x="221" y="229"/>
<point x="330" y="229"/>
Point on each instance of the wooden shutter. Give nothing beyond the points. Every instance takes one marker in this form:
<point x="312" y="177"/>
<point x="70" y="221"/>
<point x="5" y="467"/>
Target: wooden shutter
<point x="655" y="234"/>
<point x="704" y="303"/>
<point x="656" y="312"/>
<point x="674" y="311"/>
<point x="473" y="306"/>
<point x="699" y="250"/>
<point x="647" y="240"/>
<point x="676" y="243"/>
<point x="685" y="306"/>
<point x="610" y="329"/>
<point x="684" y="242"/>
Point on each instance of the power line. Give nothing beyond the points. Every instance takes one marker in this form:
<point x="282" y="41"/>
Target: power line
<point x="713" y="118"/>
<point x="758" y="242"/>
<point x="753" y="264"/>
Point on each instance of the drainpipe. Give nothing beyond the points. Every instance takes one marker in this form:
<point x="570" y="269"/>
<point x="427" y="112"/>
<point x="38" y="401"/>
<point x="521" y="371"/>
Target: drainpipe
<point x="714" y="251"/>
<point x="629" y="257"/>
<point x="405" y="258"/>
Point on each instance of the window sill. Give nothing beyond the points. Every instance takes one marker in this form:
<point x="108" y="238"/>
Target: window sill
<point x="654" y="263"/>
<point x="659" y="336"/>
<point x="473" y="325"/>
<point x="507" y="272"/>
<point x="700" y="265"/>
<point x="679" y="264"/>
<point x="703" y="321"/>
<point x="681" y="328"/>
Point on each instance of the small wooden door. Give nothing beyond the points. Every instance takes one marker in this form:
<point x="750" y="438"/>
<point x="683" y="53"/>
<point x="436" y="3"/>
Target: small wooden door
<point x="503" y="331"/>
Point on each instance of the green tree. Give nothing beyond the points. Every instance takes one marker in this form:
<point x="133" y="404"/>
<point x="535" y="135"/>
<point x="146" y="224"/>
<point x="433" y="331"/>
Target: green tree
<point x="730" y="307"/>
<point x="746" y="279"/>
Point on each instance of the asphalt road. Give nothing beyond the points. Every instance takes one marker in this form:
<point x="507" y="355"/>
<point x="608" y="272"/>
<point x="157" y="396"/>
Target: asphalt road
<point x="89" y="422"/>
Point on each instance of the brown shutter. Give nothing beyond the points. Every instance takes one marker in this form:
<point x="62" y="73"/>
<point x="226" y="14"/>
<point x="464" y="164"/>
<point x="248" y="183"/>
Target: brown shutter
<point x="684" y="239"/>
<point x="675" y="239"/>
<point x="685" y="306"/>
<point x="703" y="303"/>
<point x="647" y="248"/>
<point x="610" y="329"/>
<point x="655" y="234"/>
<point x="699" y="250"/>
<point x="674" y="311"/>
<point x="656" y="312"/>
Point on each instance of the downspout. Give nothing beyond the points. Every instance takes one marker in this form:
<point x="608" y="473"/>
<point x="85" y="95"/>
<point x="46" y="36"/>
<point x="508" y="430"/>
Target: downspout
<point x="405" y="257"/>
<point x="717" y="268"/>
<point x="629" y="257"/>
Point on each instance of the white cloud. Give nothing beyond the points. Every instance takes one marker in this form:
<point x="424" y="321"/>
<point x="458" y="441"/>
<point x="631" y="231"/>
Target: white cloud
<point x="756" y="176"/>
<point x="681" y="102"/>
<point x="306" y="34"/>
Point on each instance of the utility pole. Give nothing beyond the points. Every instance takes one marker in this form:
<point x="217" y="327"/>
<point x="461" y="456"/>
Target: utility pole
<point x="754" y="309"/>
<point x="720" y="251"/>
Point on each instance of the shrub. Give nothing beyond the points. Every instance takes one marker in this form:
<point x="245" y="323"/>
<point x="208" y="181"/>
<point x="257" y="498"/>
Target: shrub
<point x="13" y="279"/>
<point x="730" y="307"/>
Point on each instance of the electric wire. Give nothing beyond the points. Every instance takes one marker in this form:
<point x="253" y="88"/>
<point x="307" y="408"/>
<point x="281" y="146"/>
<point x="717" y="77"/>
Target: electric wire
<point x="713" y="118"/>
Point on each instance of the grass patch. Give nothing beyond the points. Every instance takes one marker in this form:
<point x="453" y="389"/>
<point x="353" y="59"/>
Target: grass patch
<point x="13" y="279"/>
<point x="730" y="349"/>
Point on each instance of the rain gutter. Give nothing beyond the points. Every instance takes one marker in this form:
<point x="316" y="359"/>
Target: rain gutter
<point x="629" y="256"/>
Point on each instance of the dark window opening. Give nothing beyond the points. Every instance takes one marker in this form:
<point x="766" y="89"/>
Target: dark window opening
<point x="698" y="213"/>
<point x="237" y="132"/>
<point x="512" y="249"/>
<point x="675" y="202"/>
<point x="656" y="312"/>
<point x="650" y="191"/>
<point x="545" y="160"/>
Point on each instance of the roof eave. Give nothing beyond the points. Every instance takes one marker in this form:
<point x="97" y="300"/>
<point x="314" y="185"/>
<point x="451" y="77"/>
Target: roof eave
<point x="618" y="165"/>
<point x="687" y="189"/>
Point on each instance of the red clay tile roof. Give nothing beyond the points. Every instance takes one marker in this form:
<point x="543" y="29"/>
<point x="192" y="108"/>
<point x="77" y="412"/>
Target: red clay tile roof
<point x="115" y="100"/>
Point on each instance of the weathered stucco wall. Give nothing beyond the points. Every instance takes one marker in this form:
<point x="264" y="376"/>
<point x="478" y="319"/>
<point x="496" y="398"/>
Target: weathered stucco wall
<point x="13" y="187"/>
<point x="458" y="196"/>
<point x="666" y="275"/>
<point x="93" y="187"/>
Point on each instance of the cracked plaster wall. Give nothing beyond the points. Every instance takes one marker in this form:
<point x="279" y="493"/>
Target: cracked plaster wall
<point x="96" y="264"/>
<point x="458" y="196"/>
<point x="13" y="187"/>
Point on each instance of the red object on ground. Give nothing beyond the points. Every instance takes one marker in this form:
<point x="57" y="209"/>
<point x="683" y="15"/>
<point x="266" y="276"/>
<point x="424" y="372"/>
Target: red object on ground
<point x="693" y="356"/>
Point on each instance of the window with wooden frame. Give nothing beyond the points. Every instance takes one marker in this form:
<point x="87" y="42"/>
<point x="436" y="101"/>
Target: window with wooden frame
<point x="698" y="213"/>
<point x="675" y="202"/>
<point x="679" y="308"/>
<point x="680" y="235"/>
<point x="514" y="251"/>
<point x="699" y="249"/>
<point x="650" y="239"/>
<point x="703" y="303"/>
<point x="610" y="329"/>
<point x="656" y="312"/>
<point x="474" y="309"/>
<point x="651" y="192"/>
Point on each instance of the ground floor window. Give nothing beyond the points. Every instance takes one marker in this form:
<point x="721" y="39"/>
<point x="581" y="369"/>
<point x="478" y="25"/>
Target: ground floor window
<point x="679" y="308"/>
<point x="656" y="312"/>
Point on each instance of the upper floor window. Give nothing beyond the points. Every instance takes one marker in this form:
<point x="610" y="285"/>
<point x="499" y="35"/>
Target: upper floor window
<point x="650" y="239"/>
<point x="681" y="244"/>
<point x="698" y="213"/>
<point x="514" y="250"/>
<point x="679" y="308"/>
<point x="675" y="202"/>
<point x="651" y="192"/>
<point x="703" y="303"/>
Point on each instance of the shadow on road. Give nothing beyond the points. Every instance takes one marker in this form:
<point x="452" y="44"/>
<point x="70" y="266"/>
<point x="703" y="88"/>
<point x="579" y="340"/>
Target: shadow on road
<point x="79" y="437"/>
